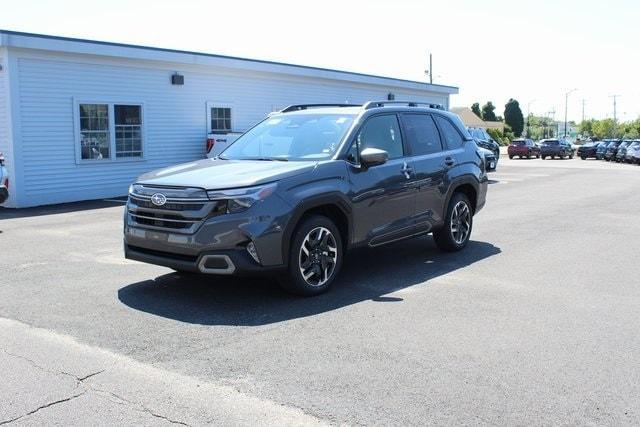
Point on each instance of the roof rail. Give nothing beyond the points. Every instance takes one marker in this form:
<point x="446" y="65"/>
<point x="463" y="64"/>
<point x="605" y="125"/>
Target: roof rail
<point x="305" y="106"/>
<point x="376" y="104"/>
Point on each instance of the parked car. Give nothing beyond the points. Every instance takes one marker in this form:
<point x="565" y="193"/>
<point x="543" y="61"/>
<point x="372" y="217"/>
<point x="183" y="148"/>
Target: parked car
<point x="484" y="140"/>
<point x="622" y="150"/>
<point x="217" y="142"/>
<point x="635" y="158"/>
<point x="556" y="148"/>
<point x="632" y="149"/>
<point x="589" y="150"/>
<point x="4" y="181"/>
<point x="295" y="192"/>
<point x="490" y="160"/>
<point x="612" y="150"/>
<point x="602" y="149"/>
<point x="522" y="147"/>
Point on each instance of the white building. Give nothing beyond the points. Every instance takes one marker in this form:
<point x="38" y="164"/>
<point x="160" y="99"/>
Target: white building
<point x="81" y="119"/>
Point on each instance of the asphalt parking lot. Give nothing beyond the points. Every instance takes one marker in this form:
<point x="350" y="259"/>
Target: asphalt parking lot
<point x="536" y="322"/>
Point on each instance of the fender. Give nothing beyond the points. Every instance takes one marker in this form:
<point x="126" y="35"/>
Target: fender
<point x="457" y="182"/>
<point x="334" y="198"/>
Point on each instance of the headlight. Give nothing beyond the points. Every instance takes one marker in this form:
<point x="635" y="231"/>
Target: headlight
<point x="241" y="199"/>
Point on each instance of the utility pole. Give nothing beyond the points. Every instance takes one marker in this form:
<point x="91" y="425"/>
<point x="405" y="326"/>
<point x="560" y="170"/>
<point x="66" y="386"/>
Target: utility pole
<point x="615" y="117"/>
<point x="583" y="102"/>
<point x="429" y="72"/>
<point x="566" y="101"/>
<point x="529" y="116"/>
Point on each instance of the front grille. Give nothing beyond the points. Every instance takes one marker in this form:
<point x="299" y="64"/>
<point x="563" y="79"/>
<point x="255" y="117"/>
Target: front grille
<point x="145" y="203"/>
<point x="178" y="214"/>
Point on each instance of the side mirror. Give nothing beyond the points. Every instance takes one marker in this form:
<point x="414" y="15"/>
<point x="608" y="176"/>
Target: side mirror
<point x="373" y="157"/>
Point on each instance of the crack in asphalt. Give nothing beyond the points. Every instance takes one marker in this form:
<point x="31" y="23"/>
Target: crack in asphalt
<point x="79" y="381"/>
<point x="46" y="405"/>
<point x="137" y="406"/>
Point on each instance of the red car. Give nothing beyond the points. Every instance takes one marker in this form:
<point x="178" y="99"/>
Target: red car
<point x="522" y="147"/>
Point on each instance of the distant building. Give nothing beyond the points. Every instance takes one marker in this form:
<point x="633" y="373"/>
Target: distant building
<point x="469" y="118"/>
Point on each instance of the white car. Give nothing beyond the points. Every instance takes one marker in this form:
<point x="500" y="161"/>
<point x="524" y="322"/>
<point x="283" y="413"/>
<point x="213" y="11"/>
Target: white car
<point x="4" y="181"/>
<point x="217" y="142"/>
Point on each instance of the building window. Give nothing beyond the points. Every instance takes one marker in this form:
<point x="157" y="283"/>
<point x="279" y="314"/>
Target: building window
<point x="128" y="125"/>
<point x="110" y="131"/>
<point x="220" y="120"/>
<point x="94" y="131"/>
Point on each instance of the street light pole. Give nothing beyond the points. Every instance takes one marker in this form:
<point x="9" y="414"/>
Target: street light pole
<point x="566" y="101"/>
<point x="529" y="116"/>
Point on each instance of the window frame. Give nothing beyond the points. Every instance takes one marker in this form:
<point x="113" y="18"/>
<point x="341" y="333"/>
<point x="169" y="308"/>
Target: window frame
<point x="408" y="148"/>
<point x="217" y="104"/>
<point x="355" y="132"/>
<point x="111" y="103"/>
<point x="445" y="146"/>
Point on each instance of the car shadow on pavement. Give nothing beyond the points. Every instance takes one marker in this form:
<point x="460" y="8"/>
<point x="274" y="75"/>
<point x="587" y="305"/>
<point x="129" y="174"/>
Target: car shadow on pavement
<point x="367" y="274"/>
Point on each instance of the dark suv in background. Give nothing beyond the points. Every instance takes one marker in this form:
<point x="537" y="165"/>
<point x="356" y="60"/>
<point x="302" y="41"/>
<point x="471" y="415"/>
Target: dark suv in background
<point x="295" y="192"/>
<point x="602" y="149"/>
<point x="589" y="150"/>
<point x="555" y="148"/>
<point x="612" y="150"/>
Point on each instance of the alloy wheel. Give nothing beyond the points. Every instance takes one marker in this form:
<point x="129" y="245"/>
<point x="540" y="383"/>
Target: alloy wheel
<point x="318" y="256"/>
<point x="460" y="222"/>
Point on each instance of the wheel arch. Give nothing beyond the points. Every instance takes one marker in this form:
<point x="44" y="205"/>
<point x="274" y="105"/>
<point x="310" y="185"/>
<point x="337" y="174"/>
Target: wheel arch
<point x="332" y="205"/>
<point x="469" y="186"/>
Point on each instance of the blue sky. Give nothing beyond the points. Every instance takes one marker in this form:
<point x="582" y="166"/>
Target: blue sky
<point x="534" y="51"/>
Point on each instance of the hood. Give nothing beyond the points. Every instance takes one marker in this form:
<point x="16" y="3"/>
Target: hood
<point x="213" y="174"/>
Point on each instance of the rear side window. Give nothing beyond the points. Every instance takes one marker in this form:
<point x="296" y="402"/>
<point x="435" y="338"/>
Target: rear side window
<point x="382" y="132"/>
<point x="450" y="136"/>
<point x="422" y="134"/>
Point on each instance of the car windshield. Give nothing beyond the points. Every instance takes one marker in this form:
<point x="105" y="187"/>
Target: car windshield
<point x="302" y="136"/>
<point x="550" y="142"/>
<point x="519" y="143"/>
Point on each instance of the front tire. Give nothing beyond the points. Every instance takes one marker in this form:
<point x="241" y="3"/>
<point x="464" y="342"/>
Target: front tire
<point x="458" y="223"/>
<point x="315" y="258"/>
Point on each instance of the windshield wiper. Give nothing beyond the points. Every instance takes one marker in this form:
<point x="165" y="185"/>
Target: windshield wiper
<point x="268" y="159"/>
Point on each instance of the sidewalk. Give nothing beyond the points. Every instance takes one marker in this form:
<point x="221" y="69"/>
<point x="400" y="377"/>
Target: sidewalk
<point x="52" y="379"/>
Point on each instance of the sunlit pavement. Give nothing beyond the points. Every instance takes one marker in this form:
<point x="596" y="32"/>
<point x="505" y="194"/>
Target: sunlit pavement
<point x="536" y="322"/>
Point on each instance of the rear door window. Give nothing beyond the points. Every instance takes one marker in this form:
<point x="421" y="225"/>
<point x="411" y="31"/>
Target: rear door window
<point x="422" y="134"/>
<point x="450" y="136"/>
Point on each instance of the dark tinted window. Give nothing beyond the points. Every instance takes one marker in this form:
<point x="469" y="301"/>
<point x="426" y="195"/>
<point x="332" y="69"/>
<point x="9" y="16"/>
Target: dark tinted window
<point x="382" y="132"/>
<point x="516" y="142"/>
<point x="450" y="135"/>
<point x="422" y="134"/>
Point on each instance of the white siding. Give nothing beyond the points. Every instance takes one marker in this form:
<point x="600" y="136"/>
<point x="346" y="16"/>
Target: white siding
<point x="5" y="122"/>
<point x="174" y="116"/>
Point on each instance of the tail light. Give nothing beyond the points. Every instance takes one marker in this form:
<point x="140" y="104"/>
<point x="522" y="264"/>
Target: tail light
<point x="6" y="183"/>
<point x="210" y="143"/>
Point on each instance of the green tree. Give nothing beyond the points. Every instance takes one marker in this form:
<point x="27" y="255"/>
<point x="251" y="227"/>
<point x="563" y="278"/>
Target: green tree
<point x="586" y="127"/>
<point x="513" y="116"/>
<point x="604" y="128"/>
<point x="488" y="112"/>
<point x="476" y="109"/>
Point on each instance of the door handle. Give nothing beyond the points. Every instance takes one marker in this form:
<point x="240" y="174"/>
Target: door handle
<point x="406" y="170"/>
<point x="449" y="161"/>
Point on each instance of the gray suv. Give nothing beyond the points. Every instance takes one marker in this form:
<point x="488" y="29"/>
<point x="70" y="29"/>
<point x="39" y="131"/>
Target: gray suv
<point x="295" y="192"/>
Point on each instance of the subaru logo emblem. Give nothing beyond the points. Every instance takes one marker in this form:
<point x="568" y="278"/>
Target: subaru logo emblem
<point x="158" y="199"/>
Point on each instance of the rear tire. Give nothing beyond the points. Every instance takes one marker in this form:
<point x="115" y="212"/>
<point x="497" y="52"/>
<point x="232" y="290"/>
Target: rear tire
<point x="510" y="157"/>
<point x="458" y="223"/>
<point x="315" y="257"/>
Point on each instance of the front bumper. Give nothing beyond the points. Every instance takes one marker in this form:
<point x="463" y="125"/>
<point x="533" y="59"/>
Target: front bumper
<point x="226" y="262"/>
<point x="213" y="237"/>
